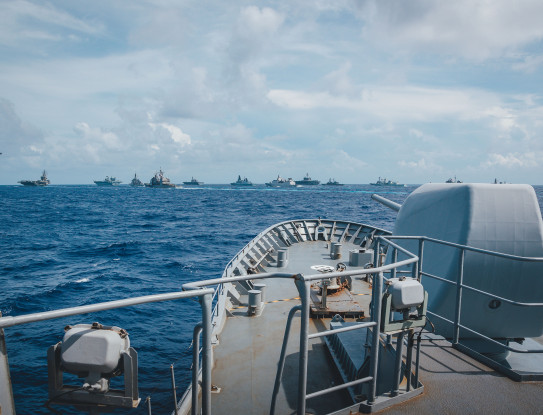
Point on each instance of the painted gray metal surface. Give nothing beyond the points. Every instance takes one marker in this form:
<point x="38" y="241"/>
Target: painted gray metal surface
<point x="7" y="405"/>
<point x="303" y="249"/>
<point x="247" y="343"/>
<point x="505" y="219"/>
<point x="6" y="394"/>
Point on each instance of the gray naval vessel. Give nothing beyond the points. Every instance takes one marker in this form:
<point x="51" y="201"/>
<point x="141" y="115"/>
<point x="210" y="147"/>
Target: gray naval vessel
<point x="317" y="316"/>
<point x="43" y="181"/>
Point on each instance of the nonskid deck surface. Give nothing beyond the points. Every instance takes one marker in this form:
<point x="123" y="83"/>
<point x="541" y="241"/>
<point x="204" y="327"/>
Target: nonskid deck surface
<point x="454" y="383"/>
<point x="249" y="347"/>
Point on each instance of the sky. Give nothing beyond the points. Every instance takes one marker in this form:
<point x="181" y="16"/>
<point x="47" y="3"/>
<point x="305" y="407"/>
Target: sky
<point x="415" y="91"/>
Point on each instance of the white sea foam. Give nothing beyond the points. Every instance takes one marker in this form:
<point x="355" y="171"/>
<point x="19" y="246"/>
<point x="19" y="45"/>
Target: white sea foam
<point x="83" y="280"/>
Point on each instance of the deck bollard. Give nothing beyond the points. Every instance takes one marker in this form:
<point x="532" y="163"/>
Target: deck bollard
<point x="255" y="303"/>
<point x="335" y="250"/>
<point x="260" y="286"/>
<point x="282" y="258"/>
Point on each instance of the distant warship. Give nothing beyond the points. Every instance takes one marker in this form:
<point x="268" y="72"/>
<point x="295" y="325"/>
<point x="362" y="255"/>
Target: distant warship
<point x="193" y="182"/>
<point x="333" y="182"/>
<point x="307" y="181"/>
<point x="136" y="182"/>
<point x="280" y="182"/>
<point x="44" y="181"/>
<point x="385" y="182"/>
<point x="241" y="182"/>
<point x="158" y="180"/>
<point x="108" y="181"/>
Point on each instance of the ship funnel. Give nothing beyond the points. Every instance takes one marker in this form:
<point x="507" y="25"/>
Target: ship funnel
<point x="388" y="203"/>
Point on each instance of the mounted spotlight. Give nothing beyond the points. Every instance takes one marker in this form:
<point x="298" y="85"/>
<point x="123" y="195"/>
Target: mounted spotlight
<point x="96" y="353"/>
<point x="404" y="298"/>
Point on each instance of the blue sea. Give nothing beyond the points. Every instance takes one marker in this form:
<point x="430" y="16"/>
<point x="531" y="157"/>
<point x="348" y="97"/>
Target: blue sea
<point x="66" y="246"/>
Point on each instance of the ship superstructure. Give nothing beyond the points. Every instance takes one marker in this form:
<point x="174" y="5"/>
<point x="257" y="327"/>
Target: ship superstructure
<point x="43" y="181"/>
<point x="160" y="181"/>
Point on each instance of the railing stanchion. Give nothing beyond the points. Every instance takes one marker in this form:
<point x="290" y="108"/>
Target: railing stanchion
<point x="281" y="364"/>
<point x="458" y="310"/>
<point x="205" y="302"/>
<point x="304" y="289"/>
<point x="421" y="252"/>
<point x="6" y="391"/>
<point x="173" y="389"/>
<point x="377" y="294"/>
<point x="195" y="367"/>
<point x="148" y="400"/>
<point x="417" y="364"/>
<point x="409" y="358"/>
<point x="398" y="364"/>
<point x="394" y="260"/>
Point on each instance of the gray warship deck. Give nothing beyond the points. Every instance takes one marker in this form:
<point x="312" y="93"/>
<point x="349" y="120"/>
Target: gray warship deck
<point x="248" y="351"/>
<point x="246" y="355"/>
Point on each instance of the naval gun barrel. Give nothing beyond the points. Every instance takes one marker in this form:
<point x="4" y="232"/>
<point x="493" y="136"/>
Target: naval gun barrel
<point x="388" y="203"/>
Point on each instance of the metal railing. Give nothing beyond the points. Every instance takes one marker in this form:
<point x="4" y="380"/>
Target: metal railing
<point x="303" y="284"/>
<point x="207" y="296"/>
<point x="204" y="295"/>
<point x="461" y="286"/>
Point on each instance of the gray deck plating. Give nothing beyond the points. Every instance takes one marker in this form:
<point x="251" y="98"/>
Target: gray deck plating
<point x="248" y="351"/>
<point x="246" y="358"/>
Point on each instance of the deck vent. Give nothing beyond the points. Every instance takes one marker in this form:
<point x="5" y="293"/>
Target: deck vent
<point x="360" y="257"/>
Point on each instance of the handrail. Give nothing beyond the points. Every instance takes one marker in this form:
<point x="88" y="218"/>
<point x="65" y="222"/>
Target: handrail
<point x="282" y="357"/>
<point x="341" y="330"/>
<point x="207" y="296"/>
<point x="303" y="285"/>
<point x="466" y="247"/>
<point x="9" y="321"/>
<point x="460" y="286"/>
<point x="205" y="302"/>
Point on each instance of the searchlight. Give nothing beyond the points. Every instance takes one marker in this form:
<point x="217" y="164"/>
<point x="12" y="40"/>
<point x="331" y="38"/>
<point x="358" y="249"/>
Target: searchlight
<point x="96" y="353"/>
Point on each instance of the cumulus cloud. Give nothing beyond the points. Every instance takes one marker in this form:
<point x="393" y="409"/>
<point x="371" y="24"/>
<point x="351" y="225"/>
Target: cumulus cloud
<point x="106" y="138"/>
<point x="399" y="103"/>
<point x="172" y="132"/>
<point x="96" y="143"/>
<point x="251" y="39"/>
<point x="17" y="135"/>
<point x="465" y="28"/>
<point x="512" y="160"/>
<point x="274" y="84"/>
<point x="418" y="164"/>
<point x="49" y="23"/>
<point x="529" y="64"/>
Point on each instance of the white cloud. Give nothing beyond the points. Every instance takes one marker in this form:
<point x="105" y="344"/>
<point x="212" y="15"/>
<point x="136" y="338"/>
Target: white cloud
<point x="465" y="28"/>
<point x="261" y="23"/>
<point x="529" y="64"/>
<point x="173" y="132"/>
<point x="512" y="160"/>
<point x="275" y="84"/>
<point x="97" y="136"/>
<point x="252" y="39"/>
<point x="47" y="22"/>
<point x="399" y="103"/>
<point x="419" y="164"/>
<point x="16" y="134"/>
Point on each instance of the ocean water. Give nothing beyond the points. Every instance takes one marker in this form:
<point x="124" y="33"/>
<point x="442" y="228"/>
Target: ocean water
<point x="65" y="246"/>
